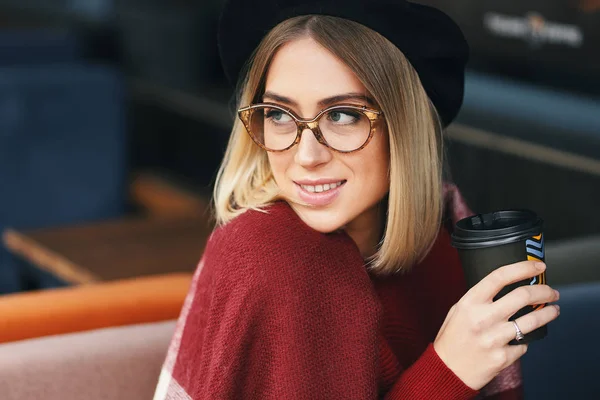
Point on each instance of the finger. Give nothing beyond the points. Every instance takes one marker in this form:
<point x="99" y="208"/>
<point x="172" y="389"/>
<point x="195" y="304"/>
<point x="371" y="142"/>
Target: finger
<point x="513" y="353"/>
<point x="489" y="286"/>
<point x="522" y="296"/>
<point x="530" y="322"/>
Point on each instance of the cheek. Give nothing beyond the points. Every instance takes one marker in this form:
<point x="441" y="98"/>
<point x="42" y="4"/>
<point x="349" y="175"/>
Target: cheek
<point x="372" y="168"/>
<point x="279" y="163"/>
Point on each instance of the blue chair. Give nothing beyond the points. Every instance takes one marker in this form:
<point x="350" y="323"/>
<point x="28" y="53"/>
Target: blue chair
<point x="10" y="275"/>
<point x="39" y="46"/>
<point x="62" y="146"/>
<point x="565" y="364"/>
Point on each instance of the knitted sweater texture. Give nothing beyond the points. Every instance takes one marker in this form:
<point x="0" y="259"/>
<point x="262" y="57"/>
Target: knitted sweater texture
<point x="277" y="310"/>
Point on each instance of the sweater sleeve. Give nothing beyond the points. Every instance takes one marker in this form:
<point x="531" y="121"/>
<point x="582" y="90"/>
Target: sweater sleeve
<point x="429" y="378"/>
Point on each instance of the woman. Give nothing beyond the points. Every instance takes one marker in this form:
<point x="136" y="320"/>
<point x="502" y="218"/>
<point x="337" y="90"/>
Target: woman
<point x="331" y="274"/>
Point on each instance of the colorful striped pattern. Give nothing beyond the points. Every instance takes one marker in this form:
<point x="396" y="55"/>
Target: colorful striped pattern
<point x="535" y="252"/>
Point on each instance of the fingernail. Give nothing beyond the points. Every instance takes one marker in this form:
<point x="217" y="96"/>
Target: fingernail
<point x="557" y="308"/>
<point x="557" y="293"/>
<point x="541" y="266"/>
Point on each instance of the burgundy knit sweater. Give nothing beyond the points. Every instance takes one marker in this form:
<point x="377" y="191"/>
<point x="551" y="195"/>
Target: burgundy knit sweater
<point x="277" y="310"/>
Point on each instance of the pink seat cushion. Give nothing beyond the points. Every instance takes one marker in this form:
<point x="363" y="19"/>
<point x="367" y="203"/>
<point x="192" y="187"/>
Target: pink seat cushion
<point x="111" y="363"/>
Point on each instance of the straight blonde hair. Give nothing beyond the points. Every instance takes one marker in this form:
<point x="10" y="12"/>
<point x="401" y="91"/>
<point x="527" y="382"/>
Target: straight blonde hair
<point x="414" y="203"/>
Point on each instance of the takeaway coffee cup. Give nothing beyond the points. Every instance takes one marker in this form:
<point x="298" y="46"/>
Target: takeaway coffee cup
<point x="488" y="241"/>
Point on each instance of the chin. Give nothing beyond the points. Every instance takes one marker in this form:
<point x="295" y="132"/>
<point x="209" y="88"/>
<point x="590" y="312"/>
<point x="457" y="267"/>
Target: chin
<point x="324" y="220"/>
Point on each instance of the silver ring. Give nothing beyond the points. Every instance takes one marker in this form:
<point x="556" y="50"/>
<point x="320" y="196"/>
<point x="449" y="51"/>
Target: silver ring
<point x="519" y="335"/>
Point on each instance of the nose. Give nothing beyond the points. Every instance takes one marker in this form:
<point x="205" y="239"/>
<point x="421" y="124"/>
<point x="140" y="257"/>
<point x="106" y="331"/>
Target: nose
<point x="310" y="153"/>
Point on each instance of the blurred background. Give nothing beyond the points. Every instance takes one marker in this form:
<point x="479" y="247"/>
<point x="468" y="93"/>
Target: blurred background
<point x="114" y="115"/>
<point x="100" y="98"/>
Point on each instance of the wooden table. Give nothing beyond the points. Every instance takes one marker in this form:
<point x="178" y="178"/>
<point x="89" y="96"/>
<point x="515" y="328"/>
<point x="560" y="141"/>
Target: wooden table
<point x="168" y="237"/>
<point x="114" y="249"/>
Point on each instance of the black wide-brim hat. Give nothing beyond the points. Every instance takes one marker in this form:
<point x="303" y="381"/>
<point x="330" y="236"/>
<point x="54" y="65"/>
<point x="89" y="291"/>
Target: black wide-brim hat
<point x="430" y="39"/>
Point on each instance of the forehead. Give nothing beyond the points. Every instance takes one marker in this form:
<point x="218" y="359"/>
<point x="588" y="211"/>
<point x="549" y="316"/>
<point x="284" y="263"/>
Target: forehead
<point x="307" y="72"/>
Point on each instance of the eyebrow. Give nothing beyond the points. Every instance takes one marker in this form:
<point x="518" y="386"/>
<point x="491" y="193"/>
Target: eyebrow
<point x="323" y="102"/>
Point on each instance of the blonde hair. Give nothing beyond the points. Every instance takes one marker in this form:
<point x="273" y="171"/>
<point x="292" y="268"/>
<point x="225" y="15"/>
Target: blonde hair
<point x="414" y="208"/>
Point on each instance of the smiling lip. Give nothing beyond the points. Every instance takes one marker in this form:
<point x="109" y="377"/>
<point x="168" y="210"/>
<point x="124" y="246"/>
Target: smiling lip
<point x="318" y="181"/>
<point x="319" y="199"/>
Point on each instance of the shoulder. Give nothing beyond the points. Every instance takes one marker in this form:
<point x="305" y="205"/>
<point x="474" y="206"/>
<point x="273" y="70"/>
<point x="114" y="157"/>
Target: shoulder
<point x="277" y="220"/>
<point x="437" y="279"/>
<point x="275" y="229"/>
<point x="442" y="267"/>
<point x="441" y="277"/>
<point x="274" y="248"/>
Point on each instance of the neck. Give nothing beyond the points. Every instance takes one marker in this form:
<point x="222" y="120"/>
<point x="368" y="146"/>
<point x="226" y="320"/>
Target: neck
<point x="366" y="230"/>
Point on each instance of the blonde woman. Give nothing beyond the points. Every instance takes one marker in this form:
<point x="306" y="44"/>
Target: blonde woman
<point x="330" y="274"/>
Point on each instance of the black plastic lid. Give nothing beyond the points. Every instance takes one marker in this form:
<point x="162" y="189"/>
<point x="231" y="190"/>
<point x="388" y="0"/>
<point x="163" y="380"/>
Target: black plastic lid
<point x="495" y="229"/>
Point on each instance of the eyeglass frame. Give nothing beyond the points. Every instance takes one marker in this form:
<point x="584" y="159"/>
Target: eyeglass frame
<point x="245" y="114"/>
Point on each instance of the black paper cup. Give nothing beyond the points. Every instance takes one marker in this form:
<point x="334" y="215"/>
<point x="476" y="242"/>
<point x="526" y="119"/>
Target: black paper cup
<point x="489" y="241"/>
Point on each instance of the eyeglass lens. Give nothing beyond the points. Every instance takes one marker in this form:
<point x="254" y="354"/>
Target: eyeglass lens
<point x="343" y="129"/>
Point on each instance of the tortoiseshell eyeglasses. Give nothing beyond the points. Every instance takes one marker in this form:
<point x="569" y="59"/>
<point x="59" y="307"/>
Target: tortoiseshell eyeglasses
<point x="343" y="128"/>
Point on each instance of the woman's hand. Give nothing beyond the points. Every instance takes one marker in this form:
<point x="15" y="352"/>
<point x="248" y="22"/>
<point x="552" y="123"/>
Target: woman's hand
<point x="473" y="340"/>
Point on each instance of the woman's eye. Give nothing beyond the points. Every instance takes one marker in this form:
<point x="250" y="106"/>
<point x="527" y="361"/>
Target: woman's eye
<point x="342" y="117"/>
<point x="277" y="116"/>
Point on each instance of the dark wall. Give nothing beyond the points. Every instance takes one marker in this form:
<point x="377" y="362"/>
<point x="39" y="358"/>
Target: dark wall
<point x="568" y="200"/>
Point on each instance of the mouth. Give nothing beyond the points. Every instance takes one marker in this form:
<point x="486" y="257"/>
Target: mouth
<point x="321" y="194"/>
<point x="322" y="187"/>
